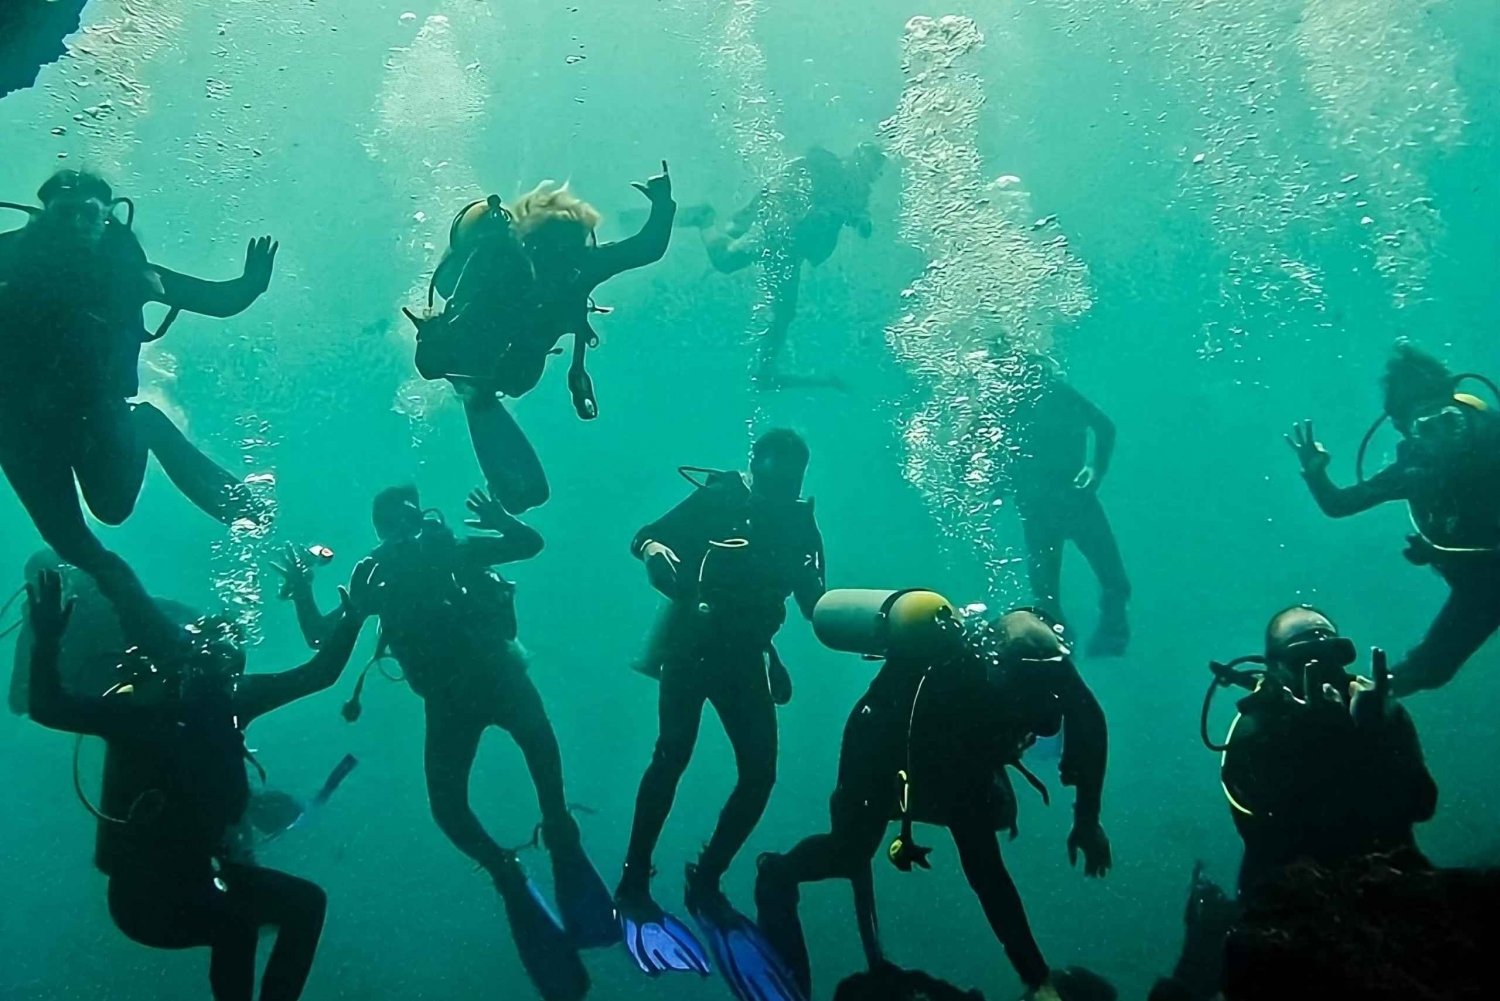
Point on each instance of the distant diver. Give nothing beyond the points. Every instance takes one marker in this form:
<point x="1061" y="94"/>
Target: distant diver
<point x="956" y="702"/>
<point x="1055" y="483"/>
<point x="515" y="280"/>
<point x="726" y="558"/>
<point x="1447" y="471"/>
<point x="449" y="620"/>
<point x="795" y="219"/>
<point x="175" y="790"/>
<point x="73" y="283"/>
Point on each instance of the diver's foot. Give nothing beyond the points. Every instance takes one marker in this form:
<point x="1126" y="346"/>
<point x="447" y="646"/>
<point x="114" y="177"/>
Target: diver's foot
<point x="702" y="893"/>
<point x="587" y="908"/>
<point x="696" y="216"/>
<point x="1112" y="638"/>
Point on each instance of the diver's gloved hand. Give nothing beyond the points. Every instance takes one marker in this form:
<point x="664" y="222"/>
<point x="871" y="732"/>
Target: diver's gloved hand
<point x="1090" y="839"/>
<point x="296" y="575"/>
<point x="1368" y="708"/>
<point x="1310" y="452"/>
<point x="361" y="598"/>
<point x="260" y="258"/>
<point x="661" y="567"/>
<point x="658" y="188"/>
<point x="581" y="385"/>
<point x="49" y="613"/>
<point x="1418" y="551"/>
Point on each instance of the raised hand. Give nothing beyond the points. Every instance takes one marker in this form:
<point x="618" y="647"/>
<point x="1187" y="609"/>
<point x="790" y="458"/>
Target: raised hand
<point x="1310" y="452"/>
<point x="489" y="514"/>
<point x="49" y="613"/>
<point x="296" y="574"/>
<point x="260" y="259"/>
<point x="361" y="598"/>
<point x="658" y="188"/>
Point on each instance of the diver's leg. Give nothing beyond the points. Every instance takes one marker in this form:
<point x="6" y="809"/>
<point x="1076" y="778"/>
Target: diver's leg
<point x="1096" y="541"/>
<point x="728" y="253"/>
<point x="979" y="853"/>
<point x="1043" y="536"/>
<point x="525" y="719"/>
<point x="783" y="276"/>
<point x="211" y="488"/>
<point x="680" y="713"/>
<point x="744" y="704"/>
<point x="1468" y="618"/>
<point x="41" y="473"/>
<point x="186" y="912"/>
<point x="451" y="744"/>
<point x="111" y="461"/>
<point x="296" y="908"/>
<point x="509" y="463"/>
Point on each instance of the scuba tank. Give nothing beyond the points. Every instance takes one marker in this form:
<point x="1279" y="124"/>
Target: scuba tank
<point x="878" y="623"/>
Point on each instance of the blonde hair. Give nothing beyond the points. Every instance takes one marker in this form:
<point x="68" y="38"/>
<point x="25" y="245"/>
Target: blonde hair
<point x="551" y="204"/>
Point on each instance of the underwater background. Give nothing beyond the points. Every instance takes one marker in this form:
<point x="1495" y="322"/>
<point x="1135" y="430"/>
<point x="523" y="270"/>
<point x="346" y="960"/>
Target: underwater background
<point x="1218" y="215"/>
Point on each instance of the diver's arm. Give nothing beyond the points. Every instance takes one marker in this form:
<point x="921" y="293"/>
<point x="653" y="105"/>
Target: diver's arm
<point x="518" y="544"/>
<point x="646" y="247"/>
<point x="1341" y="502"/>
<point x="1085" y="749"/>
<point x="315" y="625"/>
<point x="197" y="295"/>
<point x="812" y="578"/>
<point x="58" y="709"/>
<point x="1102" y="427"/>
<point x="681" y="529"/>
<point x="259" y="694"/>
<point x="1406" y="766"/>
<point x="20" y="671"/>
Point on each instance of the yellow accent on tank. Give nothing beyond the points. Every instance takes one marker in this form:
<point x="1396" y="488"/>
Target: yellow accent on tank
<point x="886" y="623"/>
<point x="1470" y="400"/>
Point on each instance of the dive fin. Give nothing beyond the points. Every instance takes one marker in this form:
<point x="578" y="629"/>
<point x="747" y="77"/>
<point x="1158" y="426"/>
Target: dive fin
<point x="588" y="910"/>
<point x="658" y="942"/>
<point x="546" y="950"/>
<point x="776" y="900"/>
<point x="749" y="963"/>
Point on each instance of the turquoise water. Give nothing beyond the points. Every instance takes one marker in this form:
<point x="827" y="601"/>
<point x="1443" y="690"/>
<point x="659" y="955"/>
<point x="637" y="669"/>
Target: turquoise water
<point x="1218" y="215"/>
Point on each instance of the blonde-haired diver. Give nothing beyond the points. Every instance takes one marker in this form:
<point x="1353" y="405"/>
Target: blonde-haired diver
<point x="515" y="280"/>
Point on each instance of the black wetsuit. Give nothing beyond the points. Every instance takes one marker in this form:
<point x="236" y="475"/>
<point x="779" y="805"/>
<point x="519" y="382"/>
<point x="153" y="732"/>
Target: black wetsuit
<point x="954" y="731"/>
<point x="514" y="330"/>
<point x="71" y="332"/>
<point x="175" y="787"/>
<point x="1454" y="494"/>
<point x="1050" y="450"/>
<point x="449" y="620"/>
<point x="1306" y="783"/>
<point x="712" y="646"/>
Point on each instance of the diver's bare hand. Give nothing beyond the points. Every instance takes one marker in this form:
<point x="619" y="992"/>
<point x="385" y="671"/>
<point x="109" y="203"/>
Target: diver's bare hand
<point x="260" y="259"/>
<point x="1090" y="839"/>
<point x="658" y="188"/>
<point x="361" y="598"/>
<point x="1087" y="479"/>
<point x="49" y="613"/>
<point x="296" y="575"/>
<point x="489" y="514"/>
<point x="1310" y="452"/>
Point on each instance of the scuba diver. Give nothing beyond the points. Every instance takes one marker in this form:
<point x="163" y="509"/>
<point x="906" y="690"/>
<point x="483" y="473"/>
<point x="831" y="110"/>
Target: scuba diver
<point x="1447" y="470"/>
<point x="1056" y="489"/>
<point x="955" y="703"/>
<point x="73" y="284"/>
<point x="1319" y="765"/>
<point x="796" y="218"/>
<point x="515" y="280"/>
<point x="449" y="620"/>
<point x="726" y="558"/>
<point x="175" y="787"/>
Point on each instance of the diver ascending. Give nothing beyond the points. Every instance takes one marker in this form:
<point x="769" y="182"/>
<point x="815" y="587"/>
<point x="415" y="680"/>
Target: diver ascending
<point x="73" y="283"/>
<point x="955" y="703"/>
<point x="797" y="218"/>
<point x="515" y="280"/>
<point x="726" y="558"/>
<point x="1447" y="470"/>
<point x="175" y="789"/>
<point x="1056" y="489"/>
<point x="449" y="621"/>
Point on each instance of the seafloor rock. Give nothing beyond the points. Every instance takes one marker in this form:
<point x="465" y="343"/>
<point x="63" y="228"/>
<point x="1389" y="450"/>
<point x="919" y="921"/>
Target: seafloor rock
<point x="1371" y="930"/>
<point x="32" y="34"/>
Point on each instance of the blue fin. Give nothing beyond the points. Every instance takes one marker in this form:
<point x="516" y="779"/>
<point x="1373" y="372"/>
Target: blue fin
<point x="588" y="910"/>
<point x="750" y="965"/>
<point x="547" y="952"/>
<point x="658" y="942"/>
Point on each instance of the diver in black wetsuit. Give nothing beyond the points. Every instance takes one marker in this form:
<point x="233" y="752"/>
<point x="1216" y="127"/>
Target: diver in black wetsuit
<point x="1447" y="470"/>
<point x="795" y="219"/>
<point x="516" y="280"/>
<point x="175" y="788"/>
<point x="726" y="558"/>
<point x="449" y="620"/>
<point x="952" y="707"/>
<point x="73" y="283"/>
<point x="1056" y="490"/>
